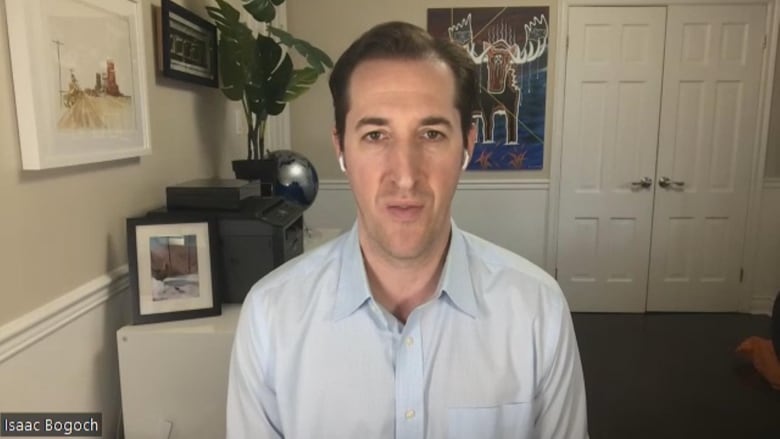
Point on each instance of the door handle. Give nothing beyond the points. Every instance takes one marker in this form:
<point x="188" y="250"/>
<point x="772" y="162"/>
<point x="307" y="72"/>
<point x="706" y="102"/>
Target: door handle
<point x="666" y="183"/>
<point x="644" y="183"/>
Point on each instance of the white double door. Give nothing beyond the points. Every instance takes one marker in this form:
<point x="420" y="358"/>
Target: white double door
<point x="660" y="128"/>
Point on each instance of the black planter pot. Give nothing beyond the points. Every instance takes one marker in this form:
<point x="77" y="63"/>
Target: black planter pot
<point x="263" y="170"/>
<point x="250" y="170"/>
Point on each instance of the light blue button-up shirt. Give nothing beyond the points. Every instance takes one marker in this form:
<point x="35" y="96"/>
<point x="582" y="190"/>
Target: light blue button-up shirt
<point x="491" y="355"/>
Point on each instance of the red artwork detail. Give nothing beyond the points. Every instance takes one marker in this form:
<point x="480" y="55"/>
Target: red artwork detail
<point x="484" y="159"/>
<point x="112" y="88"/>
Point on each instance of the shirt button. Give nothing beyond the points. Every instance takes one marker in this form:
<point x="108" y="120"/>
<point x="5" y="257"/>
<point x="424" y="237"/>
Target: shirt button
<point x="409" y="414"/>
<point x="409" y="341"/>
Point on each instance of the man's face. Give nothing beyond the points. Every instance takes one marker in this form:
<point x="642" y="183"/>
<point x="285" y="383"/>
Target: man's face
<point x="403" y="151"/>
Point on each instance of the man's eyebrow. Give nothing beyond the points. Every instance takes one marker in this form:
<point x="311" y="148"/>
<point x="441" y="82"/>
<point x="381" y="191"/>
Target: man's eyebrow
<point x="436" y="120"/>
<point x="381" y="121"/>
<point x="371" y="121"/>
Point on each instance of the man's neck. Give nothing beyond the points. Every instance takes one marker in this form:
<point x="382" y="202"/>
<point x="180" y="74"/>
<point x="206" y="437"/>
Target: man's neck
<point x="402" y="286"/>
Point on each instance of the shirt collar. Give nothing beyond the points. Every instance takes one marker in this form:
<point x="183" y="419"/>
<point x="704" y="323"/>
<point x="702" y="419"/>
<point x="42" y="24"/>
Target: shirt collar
<point x="456" y="276"/>
<point x="353" y="290"/>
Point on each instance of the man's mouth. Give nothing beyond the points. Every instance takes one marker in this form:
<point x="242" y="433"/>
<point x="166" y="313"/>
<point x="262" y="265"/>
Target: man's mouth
<point x="404" y="211"/>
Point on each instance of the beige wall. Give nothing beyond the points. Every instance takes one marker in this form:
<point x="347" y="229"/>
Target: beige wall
<point x="334" y="24"/>
<point x="63" y="227"/>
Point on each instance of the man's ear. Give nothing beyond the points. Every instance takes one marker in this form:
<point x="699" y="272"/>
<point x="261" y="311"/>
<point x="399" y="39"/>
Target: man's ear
<point x="334" y="140"/>
<point x="337" y="148"/>
<point x="471" y="139"/>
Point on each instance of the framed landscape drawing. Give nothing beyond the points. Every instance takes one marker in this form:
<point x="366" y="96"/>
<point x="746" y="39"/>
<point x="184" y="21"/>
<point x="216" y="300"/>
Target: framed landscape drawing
<point x="79" y="80"/>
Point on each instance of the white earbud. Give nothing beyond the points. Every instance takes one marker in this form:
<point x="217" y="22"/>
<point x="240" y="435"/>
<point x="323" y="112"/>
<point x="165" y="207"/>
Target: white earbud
<point x="466" y="158"/>
<point x="341" y="163"/>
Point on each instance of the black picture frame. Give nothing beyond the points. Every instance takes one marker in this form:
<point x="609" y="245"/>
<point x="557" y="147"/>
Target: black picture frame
<point x="189" y="46"/>
<point x="173" y="269"/>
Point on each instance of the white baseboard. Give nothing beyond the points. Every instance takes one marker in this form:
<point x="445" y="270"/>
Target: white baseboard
<point x="761" y="305"/>
<point x="32" y="327"/>
<point x="772" y="183"/>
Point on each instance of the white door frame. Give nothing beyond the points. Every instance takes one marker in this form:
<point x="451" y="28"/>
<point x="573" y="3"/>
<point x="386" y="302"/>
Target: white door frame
<point x="765" y="95"/>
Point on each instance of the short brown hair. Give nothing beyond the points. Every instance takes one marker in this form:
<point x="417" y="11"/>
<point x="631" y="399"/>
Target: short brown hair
<point x="399" y="40"/>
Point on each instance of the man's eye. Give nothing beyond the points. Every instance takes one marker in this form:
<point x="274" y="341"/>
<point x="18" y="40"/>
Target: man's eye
<point x="373" y="136"/>
<point x="433" y="135"/>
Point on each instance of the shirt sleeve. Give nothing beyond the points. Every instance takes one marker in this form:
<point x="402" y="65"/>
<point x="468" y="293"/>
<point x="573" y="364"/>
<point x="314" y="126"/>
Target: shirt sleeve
<point x="252" y="410"/>
<point x="560" y="407"/>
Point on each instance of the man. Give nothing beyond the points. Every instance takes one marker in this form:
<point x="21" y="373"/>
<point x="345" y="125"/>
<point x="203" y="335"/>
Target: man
<point x="405" y="327"/>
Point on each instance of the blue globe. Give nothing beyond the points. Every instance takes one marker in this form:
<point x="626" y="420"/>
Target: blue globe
<point x="296" y="178"/>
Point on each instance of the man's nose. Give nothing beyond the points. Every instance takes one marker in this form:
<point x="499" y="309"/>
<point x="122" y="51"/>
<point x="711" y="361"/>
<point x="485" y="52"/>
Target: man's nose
<point x="406" y="164"/>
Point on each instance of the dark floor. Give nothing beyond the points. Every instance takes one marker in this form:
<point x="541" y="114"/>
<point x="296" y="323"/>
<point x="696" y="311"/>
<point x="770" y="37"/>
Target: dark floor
<point x="674" y="376"/>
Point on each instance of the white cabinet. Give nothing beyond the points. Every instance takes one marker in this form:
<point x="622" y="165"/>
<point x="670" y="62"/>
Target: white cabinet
<point x="174" y="376"/>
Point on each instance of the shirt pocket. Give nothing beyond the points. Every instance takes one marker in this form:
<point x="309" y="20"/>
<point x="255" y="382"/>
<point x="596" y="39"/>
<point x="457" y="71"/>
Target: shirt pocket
<point x="512" y="420"/>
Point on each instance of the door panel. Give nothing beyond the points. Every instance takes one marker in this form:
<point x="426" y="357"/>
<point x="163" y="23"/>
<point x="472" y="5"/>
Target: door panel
<point x="707" y="139"/>
<point x="610" y="135"/>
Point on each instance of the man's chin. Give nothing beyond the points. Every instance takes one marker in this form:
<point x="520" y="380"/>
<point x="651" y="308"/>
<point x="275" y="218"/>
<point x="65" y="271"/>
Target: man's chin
<point x="407" y="247"/>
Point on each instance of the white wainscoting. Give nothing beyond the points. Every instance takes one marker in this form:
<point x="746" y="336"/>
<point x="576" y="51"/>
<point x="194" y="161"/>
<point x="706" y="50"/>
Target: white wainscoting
<point x="62" y="357"/>
<point x="510" y="213"/>
<point x="767" y="278"/>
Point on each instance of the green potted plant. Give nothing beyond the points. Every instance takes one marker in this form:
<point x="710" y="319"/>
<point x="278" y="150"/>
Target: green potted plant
<point x="258" y="71"/>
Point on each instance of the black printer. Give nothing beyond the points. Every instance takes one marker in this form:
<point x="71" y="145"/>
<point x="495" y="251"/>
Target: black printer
<point x="256" y="233"/>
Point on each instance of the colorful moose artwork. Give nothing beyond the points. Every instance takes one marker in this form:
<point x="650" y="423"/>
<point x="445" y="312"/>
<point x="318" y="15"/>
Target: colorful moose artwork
<point x="510" y="46"/>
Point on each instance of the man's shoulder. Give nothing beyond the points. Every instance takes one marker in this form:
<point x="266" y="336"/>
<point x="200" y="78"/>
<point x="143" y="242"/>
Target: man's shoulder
<point x="497" y="259"/>
<point x="508" y="282"/>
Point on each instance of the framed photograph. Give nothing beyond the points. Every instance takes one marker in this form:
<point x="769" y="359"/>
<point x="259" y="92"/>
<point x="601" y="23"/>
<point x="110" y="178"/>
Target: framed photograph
<point x="189" y="46"/>
<point x="173" y="269"/>
<point x="79" y="80"/>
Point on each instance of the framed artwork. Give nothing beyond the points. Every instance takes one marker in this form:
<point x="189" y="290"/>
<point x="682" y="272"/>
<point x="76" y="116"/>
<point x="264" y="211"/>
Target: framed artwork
<point x="79" y="80"/>
<point x="173" y="269"/>
<point x="189" y="46"/>
<point x="510" y="47"/>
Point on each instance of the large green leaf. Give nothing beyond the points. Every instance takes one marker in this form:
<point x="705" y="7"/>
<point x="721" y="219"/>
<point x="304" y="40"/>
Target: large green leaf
<point x="255" y="101"/>
<point x="231" y="71"/>
<point x="257" y="69"/>
<point x="225" y="12"/>
<point x="302" y="80"/>
<point x="268" y="54"/>
<point x="277" y="86"/>
<point x="227" y="20"/>
<point x="316" y="58"/>
<point x="261" y="10"/>
<point x="270" y="77"/>
<point x="275" y="108"/>
<point x="236" y="49"/>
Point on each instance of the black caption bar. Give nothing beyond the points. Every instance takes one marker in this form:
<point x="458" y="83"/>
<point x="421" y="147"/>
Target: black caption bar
<point x="51" y="424"/>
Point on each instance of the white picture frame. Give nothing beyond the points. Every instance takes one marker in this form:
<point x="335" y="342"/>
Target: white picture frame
<point x="79" y="74"/>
